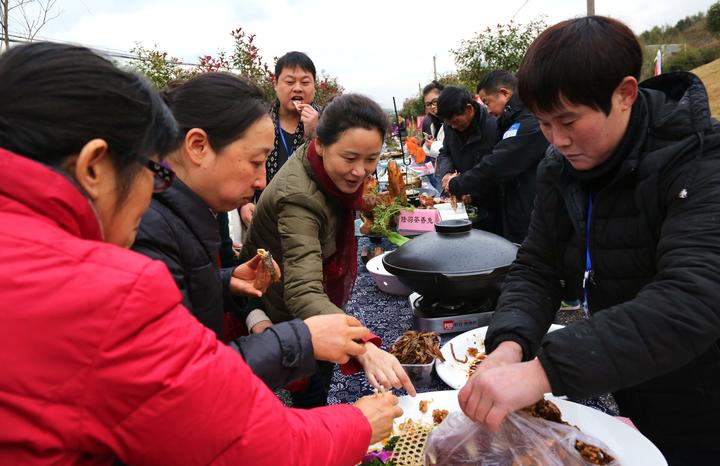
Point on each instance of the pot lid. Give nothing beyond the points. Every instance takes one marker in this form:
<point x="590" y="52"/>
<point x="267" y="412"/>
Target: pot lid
<point x="453" y="248"/>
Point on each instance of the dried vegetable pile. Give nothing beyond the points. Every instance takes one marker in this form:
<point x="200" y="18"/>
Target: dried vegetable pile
<point x="417" y="348"/>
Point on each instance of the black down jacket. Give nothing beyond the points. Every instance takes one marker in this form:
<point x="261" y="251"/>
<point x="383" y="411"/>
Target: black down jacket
<point x="180" y="230"/>
<point x="654" y="295"/>
<point x="509" y="169"/>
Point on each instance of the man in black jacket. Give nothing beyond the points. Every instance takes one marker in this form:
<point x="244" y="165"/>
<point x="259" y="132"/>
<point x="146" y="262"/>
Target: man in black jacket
<point x="509" y="170"/>
<point x="470" y="134"/>
<point x="626" y="214"/>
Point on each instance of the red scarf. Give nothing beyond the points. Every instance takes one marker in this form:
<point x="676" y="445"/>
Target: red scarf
<point x="340" y="269"/>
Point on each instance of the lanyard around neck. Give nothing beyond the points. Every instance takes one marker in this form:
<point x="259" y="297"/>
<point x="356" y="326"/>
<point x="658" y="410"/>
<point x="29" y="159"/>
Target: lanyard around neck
<point x="282" y="138"/>
<point x="588" y="260"/>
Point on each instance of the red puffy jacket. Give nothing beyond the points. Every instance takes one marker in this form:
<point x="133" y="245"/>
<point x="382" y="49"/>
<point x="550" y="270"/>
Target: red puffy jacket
<point x="98" y="358"/>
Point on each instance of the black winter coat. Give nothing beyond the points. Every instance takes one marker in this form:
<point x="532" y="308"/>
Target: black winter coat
<point x="510" y="169"/>
<point x="654" y="294"/>
<point x="460" y="156"/>
<point x="181" y="231"/>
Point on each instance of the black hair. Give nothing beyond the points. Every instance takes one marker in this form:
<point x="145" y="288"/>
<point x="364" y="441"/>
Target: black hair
<point x="221" y="104"/>
<point x="494" y="80"/>
<point x="453" y="101"/>
<point x="55" y="98"/>
<point x="349" y="111"/>
<point x="433" y="86"/>
<point x="295" y="60"/>
<point x="581" y="61"/>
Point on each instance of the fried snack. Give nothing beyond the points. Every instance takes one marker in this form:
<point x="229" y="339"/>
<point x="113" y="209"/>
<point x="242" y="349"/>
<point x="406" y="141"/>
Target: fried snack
<point x="593" y="454"/>
<point x="476" y="362"/>
<point x="426" y="201"/>
<point x="547" y="410"/>
<point x="266" y="273"/>
<point x="417" y="347"/>
<point x="439" y="415"/>
<point x="297" y="104"/>
<point x="396" y="183"/>
<point x="423" y="407"/>
<point x="473" y="352"/>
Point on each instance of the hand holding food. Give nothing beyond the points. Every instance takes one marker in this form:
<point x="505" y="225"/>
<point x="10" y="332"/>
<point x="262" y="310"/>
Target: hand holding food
<point x="335" y="336"/>
<point x="382" y="369"/>
<point x="254" y="276"/>
<point x="308" y="116"/>
<point x="380" y="410"/>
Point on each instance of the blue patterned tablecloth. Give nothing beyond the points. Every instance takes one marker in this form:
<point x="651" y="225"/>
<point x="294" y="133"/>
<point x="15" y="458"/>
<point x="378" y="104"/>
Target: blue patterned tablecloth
<point x="389" y="317"/>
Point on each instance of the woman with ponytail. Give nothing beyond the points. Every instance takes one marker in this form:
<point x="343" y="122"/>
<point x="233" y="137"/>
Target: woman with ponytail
<point x="305" y="217"/>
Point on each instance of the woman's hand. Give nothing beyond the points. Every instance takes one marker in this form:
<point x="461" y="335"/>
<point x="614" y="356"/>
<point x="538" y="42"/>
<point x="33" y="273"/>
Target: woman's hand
<point x="380" y="410"/>
<point x="243" y="277"/>
<point x="492" y="393"/>
<point x="383" y="369"/>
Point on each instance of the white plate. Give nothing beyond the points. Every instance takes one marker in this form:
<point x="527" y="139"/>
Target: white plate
<point x="630" y="446"/>
<point x="454" y="373"/>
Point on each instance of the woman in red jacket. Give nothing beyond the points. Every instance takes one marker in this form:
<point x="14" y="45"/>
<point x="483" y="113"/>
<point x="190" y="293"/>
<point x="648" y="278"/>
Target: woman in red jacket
<point x="99" y="358"/>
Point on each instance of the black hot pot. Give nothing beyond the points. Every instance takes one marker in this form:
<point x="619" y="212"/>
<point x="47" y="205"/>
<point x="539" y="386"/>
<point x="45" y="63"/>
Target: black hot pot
<point x="453" y="263"/>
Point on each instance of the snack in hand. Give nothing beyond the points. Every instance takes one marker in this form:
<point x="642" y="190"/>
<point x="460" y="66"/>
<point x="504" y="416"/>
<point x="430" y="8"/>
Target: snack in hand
<point x="266" y="273"/>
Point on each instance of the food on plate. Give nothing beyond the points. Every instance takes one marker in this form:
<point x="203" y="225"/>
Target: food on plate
<point x="473" y="352"/>
<point x="379" y="210"/>
<point x="396" y="182"/>
<point x="426" y="201"/>
<point x="439" y="415"/>
<point x="266" y="272"/>
<point x="452" y="351"/>
<point x="423" y="407"/>
<point x="475" y="363"/>
<point x="545" y="409"/>
<point x="593" y="454"/>
<point x="417" y="347"/>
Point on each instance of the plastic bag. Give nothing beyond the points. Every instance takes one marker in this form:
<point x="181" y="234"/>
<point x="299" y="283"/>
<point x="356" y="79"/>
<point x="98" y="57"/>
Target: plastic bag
<point x="522" y="440"/>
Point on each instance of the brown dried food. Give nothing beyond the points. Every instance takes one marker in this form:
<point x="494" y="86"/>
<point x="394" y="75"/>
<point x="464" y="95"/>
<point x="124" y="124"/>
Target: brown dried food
<point x="452" y="351"/>
<point x="545" y="409"/>
<point x="473" y="352"/>
<point x="476" y="362"/>
<point x="266" y="272"/>
<point x="396" y="183"/>
<point x="439" y="415"/>
<point x="426" y="201"/>
<point x="417" y="347"/>
<point x="423" y="407"/>
<point x="593" y="454"/>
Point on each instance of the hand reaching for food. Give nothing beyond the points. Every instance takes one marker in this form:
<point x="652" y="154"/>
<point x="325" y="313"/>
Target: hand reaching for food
<point x="380" y="411"/>
<point x="382" y="369"/>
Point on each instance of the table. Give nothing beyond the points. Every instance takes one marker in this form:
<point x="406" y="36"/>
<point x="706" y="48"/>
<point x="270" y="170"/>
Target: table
<point x="389" y="317"/>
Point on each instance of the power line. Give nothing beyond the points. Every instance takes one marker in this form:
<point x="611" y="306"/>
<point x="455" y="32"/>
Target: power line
<point x="18" y="39"/>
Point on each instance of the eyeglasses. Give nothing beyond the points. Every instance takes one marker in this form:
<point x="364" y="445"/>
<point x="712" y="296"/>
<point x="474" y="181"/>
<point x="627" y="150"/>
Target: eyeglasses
<point x="163" y="176"/>
<point x="432" y="103"/>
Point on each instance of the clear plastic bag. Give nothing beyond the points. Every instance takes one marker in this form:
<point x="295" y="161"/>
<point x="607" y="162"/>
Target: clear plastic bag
<point x="522" y="440"/>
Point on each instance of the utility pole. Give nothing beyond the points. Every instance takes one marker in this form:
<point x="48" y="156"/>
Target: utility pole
<point x="435" y="67"/>
<point x="590" y="7"/>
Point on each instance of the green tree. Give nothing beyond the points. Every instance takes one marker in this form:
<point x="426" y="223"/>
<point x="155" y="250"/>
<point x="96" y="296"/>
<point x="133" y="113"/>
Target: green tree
<point x="501" y="47"/>
<point x="713" y="18"/>
<point x="157" y="66"/>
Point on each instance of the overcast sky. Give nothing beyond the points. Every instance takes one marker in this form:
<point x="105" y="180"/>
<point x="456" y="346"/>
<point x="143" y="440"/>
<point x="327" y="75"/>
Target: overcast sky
<point x="381" y="48"/>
